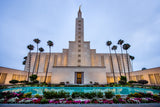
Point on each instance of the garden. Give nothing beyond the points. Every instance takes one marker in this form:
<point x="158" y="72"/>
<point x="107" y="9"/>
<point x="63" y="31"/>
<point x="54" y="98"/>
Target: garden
<point x="64" y="97"/>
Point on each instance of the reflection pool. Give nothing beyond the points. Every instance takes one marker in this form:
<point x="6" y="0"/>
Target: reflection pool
<point x="115" y="90"/>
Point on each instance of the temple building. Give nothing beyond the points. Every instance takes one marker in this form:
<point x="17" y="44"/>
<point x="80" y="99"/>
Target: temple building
<point x="79" y="65"/>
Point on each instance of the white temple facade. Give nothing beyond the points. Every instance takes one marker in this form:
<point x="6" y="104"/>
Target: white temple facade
<point x="79" y="64"/>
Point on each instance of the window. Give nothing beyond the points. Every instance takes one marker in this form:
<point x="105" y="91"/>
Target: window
<point x="79" y="20"/>
<point x="79" y="41"/>
<point x="79" y="45"/>
<point x="79" y="24"/>
<point x="79" y="60"/>
<point x="79" y="55"/>
<point x="79" y="32"/>
<point x="79" y="50"/>
<point x="79" y="28"/>
<point x="79" y="37"/>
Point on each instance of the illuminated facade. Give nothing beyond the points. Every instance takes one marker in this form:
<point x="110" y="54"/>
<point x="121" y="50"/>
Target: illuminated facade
<point x="77" y="65"/>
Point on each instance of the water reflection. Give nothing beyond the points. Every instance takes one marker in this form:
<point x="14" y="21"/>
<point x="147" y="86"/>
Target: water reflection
<point x="115" y="90"/>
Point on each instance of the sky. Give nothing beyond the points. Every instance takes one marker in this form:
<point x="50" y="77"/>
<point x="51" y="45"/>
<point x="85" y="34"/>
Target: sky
<point x="137" y="22"/>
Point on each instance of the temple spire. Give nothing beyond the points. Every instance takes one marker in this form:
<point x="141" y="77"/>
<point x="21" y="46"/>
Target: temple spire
<point x="79" y="12"/>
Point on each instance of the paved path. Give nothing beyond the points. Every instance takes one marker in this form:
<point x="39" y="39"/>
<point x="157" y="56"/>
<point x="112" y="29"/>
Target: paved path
<point x="79" y="105"/>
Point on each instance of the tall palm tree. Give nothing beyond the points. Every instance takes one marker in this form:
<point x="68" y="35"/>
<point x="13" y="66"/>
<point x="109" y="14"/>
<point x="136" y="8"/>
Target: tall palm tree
<point x="120" y="42"/>
<point x="126" y="47"/>
<point x="41" y="50"/>
<point x="132" y="58"/>
<point x="30" y="47"/>
<point x="114" y="47"/>
<point x="24" y="62"/>
<point x="50" y="44"/>
<point x="37" y="41"/>
<point x="108" y="43"/>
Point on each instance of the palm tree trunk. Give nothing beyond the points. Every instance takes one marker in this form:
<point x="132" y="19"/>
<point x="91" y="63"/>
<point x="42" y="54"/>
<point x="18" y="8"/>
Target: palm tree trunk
<point x="128" y="66"/>
<point x="29" y="64"/>
<point x="123" y="61"/>
<point x="35" y="62"/>
<point x="38" y="63"/>
<point x="132" y="65"/>
<point x="118" y="64"/>
<point x="112" y="65"/>
<point x="48" y="64"/>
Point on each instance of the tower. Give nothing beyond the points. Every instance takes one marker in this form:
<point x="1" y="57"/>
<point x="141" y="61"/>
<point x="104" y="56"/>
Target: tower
<point x="79" y="50"/>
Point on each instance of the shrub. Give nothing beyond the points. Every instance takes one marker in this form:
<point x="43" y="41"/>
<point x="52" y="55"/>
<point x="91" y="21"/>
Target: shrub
<point x="91" y="82"/>
<point x="100" y="94"/>
<point x="44" y="101"/>
<point x="122" y="82"/>
<point x="62" y="94"/>
<point x="75" y="94"/>
<point x="109" y="94"/>
<point x="96" y="83"/>
<point x="13" y="81"/>
<point x="118" y="96"/>
<point x="115" y="100"/>
<point x="37" y="96"/>
<point x="62" y="83"/>
<point x="90" y="95"/>
<point x="27" y="95"/>
<point x="35" y="81"/>
<point x="132" y="81"/>
<point x="50" y="94"/>
<point x="143" y="82"/>
<point x="33" y="77"/>
<point x="23" y="81"/>
<point x="70" y="99"/>
<point x="67" y="82"/>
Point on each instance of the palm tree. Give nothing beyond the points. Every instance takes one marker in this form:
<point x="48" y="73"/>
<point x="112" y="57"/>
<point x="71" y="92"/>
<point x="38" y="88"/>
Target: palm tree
<point x="50" y="44"/>
<point x="108" y="43"/>
<point x="41" y="50"/>
<point x="126" y="47"/>
<point x="132" y="58"/>
<point x="37" y="41"/>
<point x="24" y="62"/>
<point x="114" y="47"/>
<point x="120" y="42"/>
<point x="30" y="47"/>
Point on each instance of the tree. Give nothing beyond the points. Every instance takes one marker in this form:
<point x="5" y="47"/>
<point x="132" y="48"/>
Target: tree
<point x="13" y="81"/>
<point x="123" y="80"/>
<point x="50" y="44"/>
<point x="143" y="82"/>
<point x="126" y="47"/>
<point x="41" y="50"/>
<point x="24" y="62"/>
<point x="37" y="41"/>
<point x="114" y="47"/>
<point x="144" y="68"/>
<point x="30" y="47"/>
<point x="120" y="42"/>
<point x="132" y="58"/>
<point x="33" y="78"/>
<point x="108" y="43"/>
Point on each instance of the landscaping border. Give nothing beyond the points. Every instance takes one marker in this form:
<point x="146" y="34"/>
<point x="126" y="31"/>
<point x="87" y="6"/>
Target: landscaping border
<point x="80" y="105"/>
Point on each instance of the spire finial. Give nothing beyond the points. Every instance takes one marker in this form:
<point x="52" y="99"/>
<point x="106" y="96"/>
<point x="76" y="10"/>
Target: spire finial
<point x="80" y="8"/>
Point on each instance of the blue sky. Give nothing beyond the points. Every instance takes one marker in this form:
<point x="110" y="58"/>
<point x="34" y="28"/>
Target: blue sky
<point x="137" y="22"/>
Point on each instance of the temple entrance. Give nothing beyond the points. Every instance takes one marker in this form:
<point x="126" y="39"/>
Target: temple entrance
<point x="79" y="76"/>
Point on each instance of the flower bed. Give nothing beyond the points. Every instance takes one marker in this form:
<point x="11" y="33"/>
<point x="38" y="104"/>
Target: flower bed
<point x="63" y="97"/>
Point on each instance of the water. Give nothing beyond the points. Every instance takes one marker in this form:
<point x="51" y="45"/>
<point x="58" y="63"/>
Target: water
<point x="115" y="90"/>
